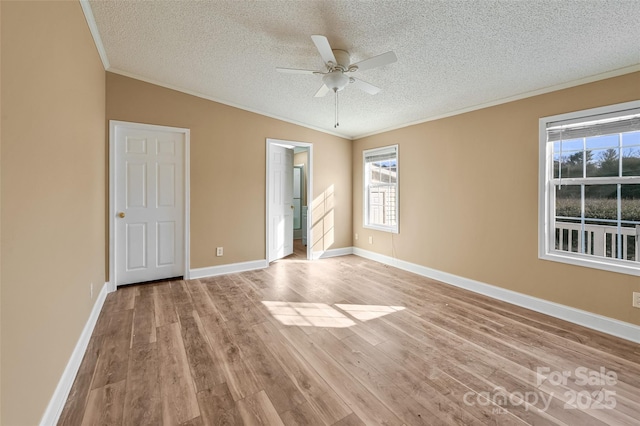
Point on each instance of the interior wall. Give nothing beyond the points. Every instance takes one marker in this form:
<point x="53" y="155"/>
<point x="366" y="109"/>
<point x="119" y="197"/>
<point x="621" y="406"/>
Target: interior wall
<point x="469" y="200"/>
<point x="301" y="158"/>
<point x="228" y="167"/>
<point x="0" y="218"/>
<point x="52" y="197"/>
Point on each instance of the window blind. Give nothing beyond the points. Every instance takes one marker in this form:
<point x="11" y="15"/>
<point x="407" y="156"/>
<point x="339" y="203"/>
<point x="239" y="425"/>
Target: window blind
<point x="381" y="154"/>
<point x="606" y="124"/>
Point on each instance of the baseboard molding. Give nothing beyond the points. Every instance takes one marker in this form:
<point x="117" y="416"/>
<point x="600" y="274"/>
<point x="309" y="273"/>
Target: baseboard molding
<point x="60" y="395"/>
<point x="331" y="253"/>
<point x="590" y="320"/>
<point x="231" y="268"/>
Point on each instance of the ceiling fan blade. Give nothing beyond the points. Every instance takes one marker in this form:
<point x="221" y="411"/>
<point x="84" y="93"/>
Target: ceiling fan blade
<point x="324" y="48"/>
<point x="322" y="91"/>
<point x="365" y="87"/>
<point x="296" y="71"/>
<point x="377" y="61"/>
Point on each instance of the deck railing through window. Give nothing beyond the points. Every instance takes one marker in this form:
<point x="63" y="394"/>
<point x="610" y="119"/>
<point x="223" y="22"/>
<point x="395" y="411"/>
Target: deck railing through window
<point x="599" y="240"/>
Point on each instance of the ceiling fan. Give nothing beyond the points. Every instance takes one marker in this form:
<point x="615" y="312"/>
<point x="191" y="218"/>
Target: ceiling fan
<point x="339" y="68"/>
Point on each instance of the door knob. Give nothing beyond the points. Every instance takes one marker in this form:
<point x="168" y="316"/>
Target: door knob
<point x="292" y="207"/>
<point x="121" y="214"/>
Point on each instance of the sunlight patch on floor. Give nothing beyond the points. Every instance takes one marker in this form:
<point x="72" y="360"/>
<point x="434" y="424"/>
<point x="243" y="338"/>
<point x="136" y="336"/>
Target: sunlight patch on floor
<point x="323" y="315"/>
<point x="368" y="312"/>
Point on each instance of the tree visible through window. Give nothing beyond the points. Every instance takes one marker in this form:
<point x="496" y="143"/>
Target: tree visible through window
<point x="592" y="187"/>
<point x="381" y="188"/>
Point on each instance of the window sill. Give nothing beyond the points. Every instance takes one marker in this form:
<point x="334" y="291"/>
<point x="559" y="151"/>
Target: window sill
<point x="620" y="266"/>
<point x="391" y="229"/>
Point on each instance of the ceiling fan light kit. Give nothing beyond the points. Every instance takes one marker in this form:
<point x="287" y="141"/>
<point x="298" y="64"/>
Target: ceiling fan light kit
<point x="337" y="67"/>
<point x="335" y="80"/>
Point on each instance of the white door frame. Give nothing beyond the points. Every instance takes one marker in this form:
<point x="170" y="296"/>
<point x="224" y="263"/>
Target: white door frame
<point x="309" y="185"/>
<point x="112" y="194"/>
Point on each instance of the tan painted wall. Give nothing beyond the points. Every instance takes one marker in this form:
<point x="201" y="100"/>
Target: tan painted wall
<point x="0" y="220"/>
<point x="228" y="168"/>
<point x="53" y="210"/>
<point x="301" y="158"/>
<point x="469" y="200"/>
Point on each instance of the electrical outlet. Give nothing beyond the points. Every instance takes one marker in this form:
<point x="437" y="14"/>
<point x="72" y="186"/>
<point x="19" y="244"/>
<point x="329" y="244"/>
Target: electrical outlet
<point x="636" y="299"/>
<point x="219" y="251"/>
<point x="356" y="235"/>
<point x="370" y="240"/>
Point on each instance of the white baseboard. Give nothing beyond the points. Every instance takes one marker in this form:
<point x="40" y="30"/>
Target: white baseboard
<point x="60" y="395"/>
<point x="231" y="268"/>
<point x="331" y="253"/>
<point x="597" y="322"/>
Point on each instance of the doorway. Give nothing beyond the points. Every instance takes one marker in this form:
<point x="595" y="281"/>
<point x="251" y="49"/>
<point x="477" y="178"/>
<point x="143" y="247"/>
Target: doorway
<point x="287" y="198"/>
<point x="148" y="203"/>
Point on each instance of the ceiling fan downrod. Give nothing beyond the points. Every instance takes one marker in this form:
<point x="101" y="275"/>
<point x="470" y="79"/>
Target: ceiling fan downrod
<point x="337" y="124"/>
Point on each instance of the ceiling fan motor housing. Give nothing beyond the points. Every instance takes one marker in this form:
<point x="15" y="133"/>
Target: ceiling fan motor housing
<point x="342" y="58"/>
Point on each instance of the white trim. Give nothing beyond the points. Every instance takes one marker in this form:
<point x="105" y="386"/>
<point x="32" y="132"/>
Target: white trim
<point x="60" y="395"/>
<point x="546" y="208"/>
<point x="112" y="176"/>
<point x="231" y="268"/>
<point x="344" y="251"/>
<point x="93" y="27"/>
<point x="309" y="184"/>
<point x="567" y="85"/>
<point x="590" y="320"/>
<point x="223" y="102"/>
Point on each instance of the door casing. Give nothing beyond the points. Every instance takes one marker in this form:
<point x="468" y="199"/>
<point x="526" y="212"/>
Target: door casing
<point x="113" y="125"/>
<point x="308" y="183"/>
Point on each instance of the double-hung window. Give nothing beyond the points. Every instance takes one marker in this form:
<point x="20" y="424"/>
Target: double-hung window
<point x="381" y="188"/>
<point x="590" y="188"/>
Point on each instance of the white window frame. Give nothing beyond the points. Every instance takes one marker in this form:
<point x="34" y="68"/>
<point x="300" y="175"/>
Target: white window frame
<point x="546" y="199"/>
<point x="365" y="197"/>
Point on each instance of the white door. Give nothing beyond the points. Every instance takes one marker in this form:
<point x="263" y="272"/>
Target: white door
<point x="149" y="204"/>
<point x="280" y="202"/>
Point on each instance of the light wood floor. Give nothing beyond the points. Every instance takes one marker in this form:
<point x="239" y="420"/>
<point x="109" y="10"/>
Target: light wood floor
<point x="343" y="341"/>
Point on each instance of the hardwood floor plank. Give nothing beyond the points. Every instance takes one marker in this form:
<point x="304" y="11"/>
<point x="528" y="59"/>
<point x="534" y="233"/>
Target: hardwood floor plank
<point x="216" y="286"/>
<point x="113" y="358"/>
<point x="399" y="402"/>
<point x="350" y="420"/>
<point x="144" y="326"/>
<point x="217" y="406"/>
<point x="205" y="371"/>
<point x="105" y="405"/>
<point x="177" y="391"/>
<point x="421" y="378"/>
<point x="302" y="415"/>
<point x="326" y="403"/>
<point x="196" y="421"/>
<point x="121" y="300"/>
<point x="271" y="377"/>
<point x="238" y="376"/>
<point x="357" y="396"/>
<point x="201" y="300"/>
<point x="163" y="305"/>
<point x="142" y="404"/>
<point x="257" y="409"/>
<point x="77" y="400"/>
<point x="340" y="341"/>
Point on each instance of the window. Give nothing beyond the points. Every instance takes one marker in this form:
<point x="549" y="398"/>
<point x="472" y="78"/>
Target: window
<point x="381" y="188"/>
<point x="590" y="188"/>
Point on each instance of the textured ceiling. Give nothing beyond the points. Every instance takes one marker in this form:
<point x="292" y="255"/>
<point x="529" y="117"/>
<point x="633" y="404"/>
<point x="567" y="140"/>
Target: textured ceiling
<point x="452" y="55"/>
